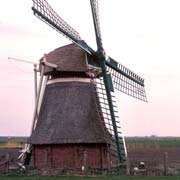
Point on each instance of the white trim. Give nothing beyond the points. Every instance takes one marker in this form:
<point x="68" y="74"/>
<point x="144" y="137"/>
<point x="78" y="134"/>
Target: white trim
<point x="71" y="79"/>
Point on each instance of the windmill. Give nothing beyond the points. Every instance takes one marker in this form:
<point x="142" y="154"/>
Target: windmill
<point x="104" y="72"/>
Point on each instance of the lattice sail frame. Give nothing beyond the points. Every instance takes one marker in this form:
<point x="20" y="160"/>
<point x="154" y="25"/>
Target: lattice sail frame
<point x="95" y="8"/>
<point x="129" y="83"/>
<point x="95" y="15"/>
<point x="107" y="121"/>
<point x="43" y="7"/>
<point x="45" y="12"/>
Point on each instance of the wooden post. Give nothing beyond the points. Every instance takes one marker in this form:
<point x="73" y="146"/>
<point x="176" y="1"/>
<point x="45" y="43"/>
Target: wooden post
<point x="165" y="163"/>
<point x="6" y="165"/>
<point x="84" y="168"/>
<point x="35" y="81"/>
<point x="127" y="166"/>
<point x="7" y="157"/>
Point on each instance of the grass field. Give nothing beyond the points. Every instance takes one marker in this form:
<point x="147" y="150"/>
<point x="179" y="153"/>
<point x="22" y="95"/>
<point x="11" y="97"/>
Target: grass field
<point x="130" y="141"/>
<point x="89" y="178"/>
<point x="11" y="144"/>
<point x="153" y="141"/>
<point x="2" y="143"/>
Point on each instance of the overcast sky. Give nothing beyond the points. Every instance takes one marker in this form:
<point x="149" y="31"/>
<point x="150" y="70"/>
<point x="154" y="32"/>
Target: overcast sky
<point x="144" y="35"/>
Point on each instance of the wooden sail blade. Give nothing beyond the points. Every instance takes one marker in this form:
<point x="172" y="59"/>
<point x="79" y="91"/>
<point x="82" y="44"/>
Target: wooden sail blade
<point x="46" y="13"/>
<point x="95" y="14"/>
<point x="126" y="80"/>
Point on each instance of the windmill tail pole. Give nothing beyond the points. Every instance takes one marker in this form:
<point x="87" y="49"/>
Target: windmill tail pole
<point x="35" y="81"/>
<point x="37" y="99"/>
<point x="21" y="60"/>
<point x="108" y="92"/>
<point x="40" y="90"/>
<point x="26" y="154"/>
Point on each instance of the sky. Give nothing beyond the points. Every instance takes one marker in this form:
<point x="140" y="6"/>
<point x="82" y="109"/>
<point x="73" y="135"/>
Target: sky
<point x="143" y="35"/>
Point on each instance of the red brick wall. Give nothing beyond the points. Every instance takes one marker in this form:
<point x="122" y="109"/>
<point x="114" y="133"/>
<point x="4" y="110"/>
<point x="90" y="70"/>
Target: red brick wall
<point x="63" y="156"/>
<point x="71" y="156"/>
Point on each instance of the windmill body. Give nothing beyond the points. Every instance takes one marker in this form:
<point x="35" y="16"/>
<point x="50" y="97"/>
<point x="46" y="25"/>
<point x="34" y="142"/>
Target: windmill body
<point x="70" y="131"/>
<point x="75" y="119"/>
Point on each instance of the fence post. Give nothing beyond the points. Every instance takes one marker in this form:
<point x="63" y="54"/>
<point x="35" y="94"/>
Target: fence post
<point x="127" y="166"/>
<point x="84" y="167"/>
<point x="165" y="163"/>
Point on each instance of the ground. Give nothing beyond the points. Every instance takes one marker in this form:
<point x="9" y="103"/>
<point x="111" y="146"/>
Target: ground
<point x="147" y="149"/>
<point x="151" y="150"/>
<point x="89" y="178"/>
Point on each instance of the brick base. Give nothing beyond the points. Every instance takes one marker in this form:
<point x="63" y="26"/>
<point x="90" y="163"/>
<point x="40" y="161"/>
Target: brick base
<point x="71" y="156"/>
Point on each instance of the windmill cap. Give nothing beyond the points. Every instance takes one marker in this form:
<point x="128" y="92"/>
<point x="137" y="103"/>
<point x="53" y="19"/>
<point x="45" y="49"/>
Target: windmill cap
<point x="69" y="58"/>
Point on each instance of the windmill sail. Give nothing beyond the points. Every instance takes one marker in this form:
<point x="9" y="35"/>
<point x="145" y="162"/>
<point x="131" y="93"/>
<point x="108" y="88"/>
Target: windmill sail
<point x="126" y="80"/>
<point x="95" y="14"/>
<point x="46" y="13"/>
<point x="107" y="120"/>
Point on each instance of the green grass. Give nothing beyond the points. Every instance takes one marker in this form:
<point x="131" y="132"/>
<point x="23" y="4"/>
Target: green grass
<point x="153" y="142"/>
<point x="132" y="142"/>
<point x="89" y="178"/>
<point x="5" y="144"/>
<point x="2" y="143"/>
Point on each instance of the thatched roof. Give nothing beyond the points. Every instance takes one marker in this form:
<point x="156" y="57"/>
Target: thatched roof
<point x="69" y="114"/>
<point x="69" y="58"/>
